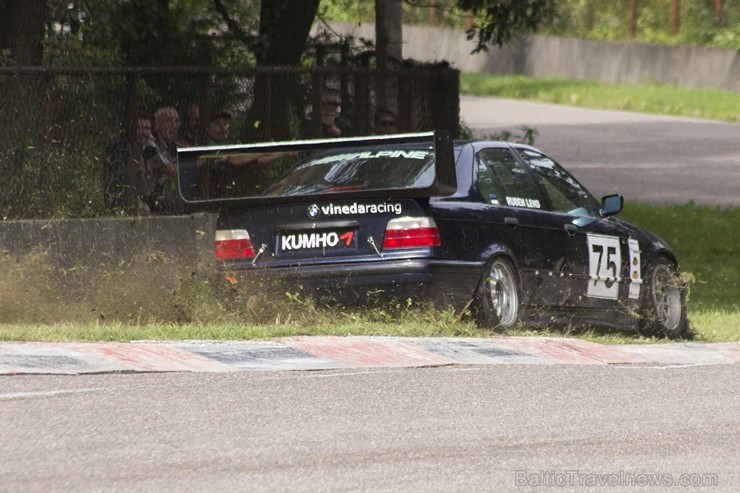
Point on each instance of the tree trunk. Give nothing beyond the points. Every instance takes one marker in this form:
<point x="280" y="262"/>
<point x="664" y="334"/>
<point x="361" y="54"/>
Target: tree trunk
<point x="388" y="31"/>
<point x="633" y="19"/>
<point x="283" y="33"/>
<point x="590" y="15"/>
<point x="675" y="17"/>
<point x="284" y="29"/>
<point x="719" y="10"/>
<point x="388" y="48"/>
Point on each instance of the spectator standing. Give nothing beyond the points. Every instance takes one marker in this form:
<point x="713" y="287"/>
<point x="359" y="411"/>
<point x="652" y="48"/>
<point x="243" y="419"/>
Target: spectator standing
<point x="385" y="122"/>
<point x="191" y="136"/>
<point x="159" y="183"/>
<point x="219" y="128"/>
<point x="326" y="122"/>
<point x="214" y="175"/>
<point x="120" y="158"/>
<point x="329" y="113"/>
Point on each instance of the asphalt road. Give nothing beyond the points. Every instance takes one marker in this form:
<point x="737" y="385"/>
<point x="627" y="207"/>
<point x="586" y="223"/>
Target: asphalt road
<point x="647" y="158"/>
<point x="488" y="428"/>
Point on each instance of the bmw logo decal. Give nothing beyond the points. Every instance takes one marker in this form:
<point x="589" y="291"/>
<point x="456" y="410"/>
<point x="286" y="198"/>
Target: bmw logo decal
<point x="313" y="211"/>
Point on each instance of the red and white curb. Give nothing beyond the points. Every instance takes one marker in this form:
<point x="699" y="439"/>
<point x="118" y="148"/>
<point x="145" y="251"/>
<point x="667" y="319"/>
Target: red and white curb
<point x="320" y="353"/>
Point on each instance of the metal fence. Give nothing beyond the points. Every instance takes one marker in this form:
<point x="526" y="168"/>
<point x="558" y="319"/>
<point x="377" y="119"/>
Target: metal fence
<point x="56" y="125"/>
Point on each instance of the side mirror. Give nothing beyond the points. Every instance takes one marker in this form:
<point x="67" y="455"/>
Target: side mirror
<point x="612" y="204"/>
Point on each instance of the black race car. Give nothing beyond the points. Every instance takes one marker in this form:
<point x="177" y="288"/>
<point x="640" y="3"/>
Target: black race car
<point x="498" y="224"/>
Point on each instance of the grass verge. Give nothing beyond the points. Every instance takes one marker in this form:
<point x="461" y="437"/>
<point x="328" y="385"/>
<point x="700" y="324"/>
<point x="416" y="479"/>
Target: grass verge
<point x="646" y="98"/>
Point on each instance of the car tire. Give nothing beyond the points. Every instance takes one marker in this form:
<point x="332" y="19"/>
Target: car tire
<point x="663" y="311"/>
<point x="497" y="297"/>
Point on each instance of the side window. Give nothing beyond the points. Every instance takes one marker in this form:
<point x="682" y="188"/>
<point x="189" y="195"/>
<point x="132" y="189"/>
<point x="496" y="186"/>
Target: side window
<point x="502" y="180"/>
<point x="565" y="193"/>
<point x="487" y="187"/>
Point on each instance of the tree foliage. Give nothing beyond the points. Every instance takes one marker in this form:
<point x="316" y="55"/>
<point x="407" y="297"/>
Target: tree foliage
<point x="154" y="32"/>
<point x="713" y="23"/>
<point x="204" y="32"/>
<point x="694" y="22"/>
<point x="498" y="20"/>
<point x="21" y="30"/>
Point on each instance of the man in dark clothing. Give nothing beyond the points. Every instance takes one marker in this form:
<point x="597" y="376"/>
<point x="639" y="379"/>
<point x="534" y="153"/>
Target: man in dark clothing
<point x="191" y="135"/>
<point x="219" y="128"/>
<point x="118" y="175"/>
<point x="159" y="184"/>
<point x="384" y="122"/>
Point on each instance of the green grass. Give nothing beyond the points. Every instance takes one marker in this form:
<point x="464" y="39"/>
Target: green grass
<point x="276" y="316"/>
<point x="647" y="98"/>
<point x="227" y="331"/>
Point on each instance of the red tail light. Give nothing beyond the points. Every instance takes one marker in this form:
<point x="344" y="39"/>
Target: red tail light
<point x="233" y="244"/>
<point x="409" y="232"/>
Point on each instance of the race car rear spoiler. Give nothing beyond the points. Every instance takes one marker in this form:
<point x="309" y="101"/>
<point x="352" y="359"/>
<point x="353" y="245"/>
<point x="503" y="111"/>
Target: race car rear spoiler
<point x="197" y="165"/>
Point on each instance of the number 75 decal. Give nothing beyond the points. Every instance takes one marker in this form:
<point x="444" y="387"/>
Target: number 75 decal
<point x="604" y="266"/>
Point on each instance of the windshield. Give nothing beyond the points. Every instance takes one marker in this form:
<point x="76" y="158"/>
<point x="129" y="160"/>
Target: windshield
<point x="565" y="193"/>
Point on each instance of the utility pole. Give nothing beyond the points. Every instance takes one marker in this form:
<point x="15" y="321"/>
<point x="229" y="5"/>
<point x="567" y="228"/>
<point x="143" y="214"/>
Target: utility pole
<point x="388" y="46"/>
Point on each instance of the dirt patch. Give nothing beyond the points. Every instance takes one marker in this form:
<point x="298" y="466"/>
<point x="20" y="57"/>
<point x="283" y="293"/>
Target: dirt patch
<point x="35" y="288"/>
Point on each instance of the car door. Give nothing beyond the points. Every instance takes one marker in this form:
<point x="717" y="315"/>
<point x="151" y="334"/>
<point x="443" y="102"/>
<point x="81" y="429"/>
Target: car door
<point x="601" y="258"/>
<point x="539" y="238"/>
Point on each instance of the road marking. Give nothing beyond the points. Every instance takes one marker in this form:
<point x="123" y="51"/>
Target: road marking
<point x="663" y="367"/>
<point x="322" y="374"/>
<point x="349" y="374"/>
<point x="45" y="393"/>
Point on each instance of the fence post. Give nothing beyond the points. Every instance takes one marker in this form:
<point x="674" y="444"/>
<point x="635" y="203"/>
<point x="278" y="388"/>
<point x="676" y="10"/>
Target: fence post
<point x="317" y="89"/>
<point x="258" y="126"/>
<point x="131" y="195"/>
<point x="404" y="117"/>
<point x="46" y="173"/>
<point x="206" y="110"/>
<point x="362" y="102"/>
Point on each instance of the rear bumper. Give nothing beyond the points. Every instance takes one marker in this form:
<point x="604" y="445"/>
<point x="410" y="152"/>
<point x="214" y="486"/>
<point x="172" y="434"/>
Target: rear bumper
<point x="429" y="279"/>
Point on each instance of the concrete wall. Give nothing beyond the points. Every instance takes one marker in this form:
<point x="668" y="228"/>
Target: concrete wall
<point x="547" y="56"/>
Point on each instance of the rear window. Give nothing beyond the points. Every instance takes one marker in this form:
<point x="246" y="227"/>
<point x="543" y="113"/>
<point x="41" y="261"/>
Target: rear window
<point x="374" y="169"/>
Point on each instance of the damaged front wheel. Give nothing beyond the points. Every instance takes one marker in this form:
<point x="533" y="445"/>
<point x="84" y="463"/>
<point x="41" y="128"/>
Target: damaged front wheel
<point x="664" y="304"/>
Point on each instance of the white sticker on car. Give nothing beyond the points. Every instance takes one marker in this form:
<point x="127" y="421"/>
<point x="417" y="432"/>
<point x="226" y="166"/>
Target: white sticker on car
<point x="523" y="202"/>
<point x="635" y="279"/>
<point x="355" y="208"/>
<point x="604" y="266"/>
<point x="317" y="240"/>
